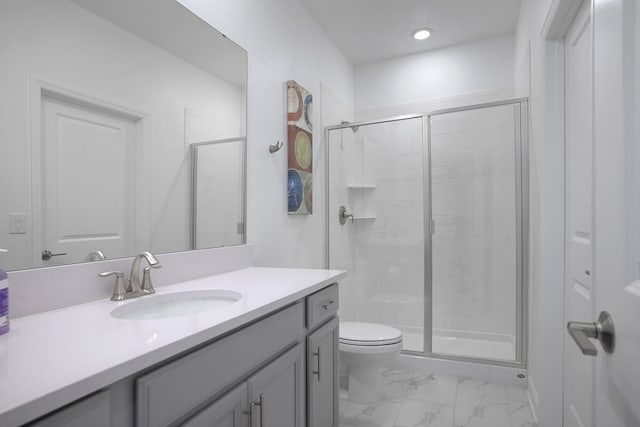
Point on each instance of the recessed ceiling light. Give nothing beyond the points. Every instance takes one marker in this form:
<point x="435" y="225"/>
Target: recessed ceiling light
<point x="421" y="33"/>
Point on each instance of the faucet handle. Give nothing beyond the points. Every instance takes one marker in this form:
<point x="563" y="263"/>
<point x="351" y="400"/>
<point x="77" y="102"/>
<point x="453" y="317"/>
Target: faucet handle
<point x="147" y="286"/>
<point x="119" y="290"/>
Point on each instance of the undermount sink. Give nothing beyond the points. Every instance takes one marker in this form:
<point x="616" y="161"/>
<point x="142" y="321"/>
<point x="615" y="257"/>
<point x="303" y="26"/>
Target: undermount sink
<point x="176" y="304"/>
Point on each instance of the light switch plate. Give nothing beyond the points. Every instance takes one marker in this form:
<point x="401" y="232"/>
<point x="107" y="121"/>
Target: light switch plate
<point x="17" y="223"/>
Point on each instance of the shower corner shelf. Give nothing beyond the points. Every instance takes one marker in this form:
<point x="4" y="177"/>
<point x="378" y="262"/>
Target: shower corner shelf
<point x="361" y="186"/>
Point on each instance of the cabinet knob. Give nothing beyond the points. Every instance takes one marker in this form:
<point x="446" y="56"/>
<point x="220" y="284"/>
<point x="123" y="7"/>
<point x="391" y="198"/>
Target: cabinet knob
<point x="328" y="304"/>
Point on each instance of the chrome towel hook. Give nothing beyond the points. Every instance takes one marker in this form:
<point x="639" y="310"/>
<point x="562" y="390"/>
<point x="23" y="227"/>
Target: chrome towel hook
<point x="275" y="147"/>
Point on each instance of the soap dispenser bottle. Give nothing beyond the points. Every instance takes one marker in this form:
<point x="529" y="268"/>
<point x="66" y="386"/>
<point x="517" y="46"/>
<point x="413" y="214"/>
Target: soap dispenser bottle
<point x="4" y="300"/>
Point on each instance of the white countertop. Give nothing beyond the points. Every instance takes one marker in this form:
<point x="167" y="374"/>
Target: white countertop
<point x="50" y="359"/>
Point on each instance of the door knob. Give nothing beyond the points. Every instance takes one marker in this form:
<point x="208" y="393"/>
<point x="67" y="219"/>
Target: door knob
<point x="602" y="330"/>
<point x="47" y="254"/>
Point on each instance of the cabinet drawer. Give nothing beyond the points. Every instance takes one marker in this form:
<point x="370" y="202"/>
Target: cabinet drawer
<point x="174" y="390"/>
<point x="94" y="410"/>
<point x="322" y="305"/>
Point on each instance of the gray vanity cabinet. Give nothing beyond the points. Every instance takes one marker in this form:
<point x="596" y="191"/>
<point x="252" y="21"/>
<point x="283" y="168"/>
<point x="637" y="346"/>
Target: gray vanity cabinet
<point x="94" y="411"/>
<point x="274" y="396"/>
<point x="172" y="393"/>
<point x="228" y="411"/>
<point x="278" y="392"/>
<point x="323" y="375"/>
<point x="322" y="358"/>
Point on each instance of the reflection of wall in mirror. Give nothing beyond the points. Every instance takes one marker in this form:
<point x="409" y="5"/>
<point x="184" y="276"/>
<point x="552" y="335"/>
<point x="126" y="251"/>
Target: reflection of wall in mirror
<point x="65" y="45"/>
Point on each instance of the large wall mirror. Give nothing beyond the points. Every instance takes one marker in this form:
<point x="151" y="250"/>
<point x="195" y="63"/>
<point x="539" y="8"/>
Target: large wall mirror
<point x="101" y="106"/>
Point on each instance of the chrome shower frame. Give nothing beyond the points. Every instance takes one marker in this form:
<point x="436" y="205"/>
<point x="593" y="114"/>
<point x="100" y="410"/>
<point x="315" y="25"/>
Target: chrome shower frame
<point x="521" y="130"/>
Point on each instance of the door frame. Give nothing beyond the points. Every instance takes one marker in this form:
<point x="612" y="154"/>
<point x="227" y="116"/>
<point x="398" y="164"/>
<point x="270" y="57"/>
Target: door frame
<point x="559" y="18"/>
<point x="38" y="88"/>
<point x="581" y="27"/>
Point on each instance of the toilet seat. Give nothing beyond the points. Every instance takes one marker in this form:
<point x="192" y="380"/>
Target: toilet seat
<point x="368" y="334"/>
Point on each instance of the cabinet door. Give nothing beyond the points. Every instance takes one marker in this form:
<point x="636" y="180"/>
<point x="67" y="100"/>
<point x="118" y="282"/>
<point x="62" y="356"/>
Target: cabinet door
<point x="322" y="378"/>
<point x="277" y="392"/>
<point x="228" y="411"/>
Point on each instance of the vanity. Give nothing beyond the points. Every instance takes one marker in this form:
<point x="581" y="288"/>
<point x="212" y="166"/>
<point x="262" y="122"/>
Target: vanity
<point x="267" y="358"/>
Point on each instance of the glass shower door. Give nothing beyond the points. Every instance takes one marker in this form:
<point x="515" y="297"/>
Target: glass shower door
<point x="476" y="242"/>
<point x="376" y="171"/>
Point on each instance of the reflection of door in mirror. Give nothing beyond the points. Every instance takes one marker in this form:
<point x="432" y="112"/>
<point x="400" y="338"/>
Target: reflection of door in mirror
<point x="88" y="182"/>
<point x="218" y="196"/>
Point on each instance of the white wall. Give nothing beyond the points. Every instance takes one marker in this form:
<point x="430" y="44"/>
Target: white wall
<point x="283" y="43"/>
<point x="539" y="62"/>
<point x="479" y="71"/>
<point x="64" y="45"/>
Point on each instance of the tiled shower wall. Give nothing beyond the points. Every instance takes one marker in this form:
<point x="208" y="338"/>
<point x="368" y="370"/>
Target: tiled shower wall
<point x="473" y="206"/>
<point x="391" y="246"/>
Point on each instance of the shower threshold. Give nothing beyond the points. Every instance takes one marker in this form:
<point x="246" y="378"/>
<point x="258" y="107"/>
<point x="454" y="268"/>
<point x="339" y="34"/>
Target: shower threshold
<point x="463" y="344"/>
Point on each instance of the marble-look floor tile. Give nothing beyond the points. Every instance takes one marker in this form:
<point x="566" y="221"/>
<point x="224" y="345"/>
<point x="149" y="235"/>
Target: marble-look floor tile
<point x="425" y="414"/>
<point x="432" y="388"/>
<point x="395" y="384"/>
<point x="414" y="399"/>
<point x="479" y="403"/>
<point x="517" y="394"/>
<point x="521" y="415"/>
<point x="380" y="414"/>
<point x="484" y="415"/>
<point x="353" y="410"/>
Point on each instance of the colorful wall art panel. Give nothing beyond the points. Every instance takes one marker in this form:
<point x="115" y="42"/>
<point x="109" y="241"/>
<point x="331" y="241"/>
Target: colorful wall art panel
<point x="300" y="148"/>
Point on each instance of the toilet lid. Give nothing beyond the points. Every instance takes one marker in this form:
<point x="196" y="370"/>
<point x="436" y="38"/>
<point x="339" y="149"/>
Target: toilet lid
<point x="361" y="333"/>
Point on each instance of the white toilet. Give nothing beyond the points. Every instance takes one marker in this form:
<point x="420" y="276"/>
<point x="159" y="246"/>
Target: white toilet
<point x="363" y="348"/>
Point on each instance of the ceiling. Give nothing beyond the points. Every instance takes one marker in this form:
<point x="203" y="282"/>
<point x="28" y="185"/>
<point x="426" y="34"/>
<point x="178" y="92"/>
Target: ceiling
<point x="372" y="30"/>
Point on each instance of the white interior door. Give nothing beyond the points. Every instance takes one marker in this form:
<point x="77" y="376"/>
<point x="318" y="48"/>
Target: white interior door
<point x="88" y="182"/>
<point x="616" y="219"/>
<point x="604" y="391"/>
<point x="578" y="378"/>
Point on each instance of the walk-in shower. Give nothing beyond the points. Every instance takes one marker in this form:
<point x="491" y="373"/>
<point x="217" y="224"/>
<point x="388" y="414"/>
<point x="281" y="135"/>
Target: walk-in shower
<point x="436" y="244"/>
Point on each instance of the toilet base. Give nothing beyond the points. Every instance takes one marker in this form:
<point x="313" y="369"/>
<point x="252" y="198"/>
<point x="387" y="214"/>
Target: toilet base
<point x="365" y="383"/>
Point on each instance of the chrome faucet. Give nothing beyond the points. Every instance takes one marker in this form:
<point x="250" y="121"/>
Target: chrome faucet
<point x="96" y="255"/>
<point x="134" y="278"/>
<point x="134" y="288"/>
